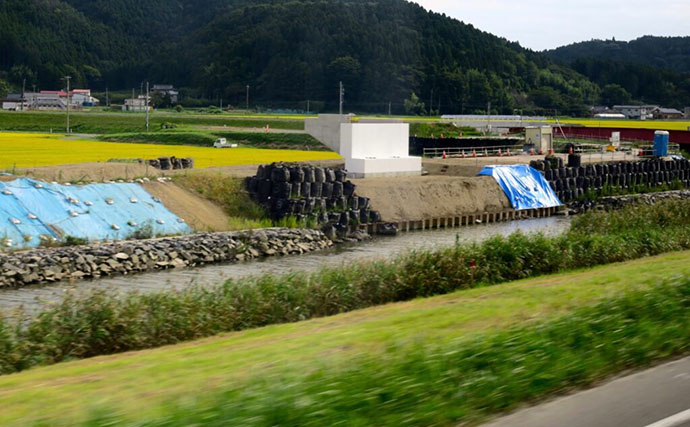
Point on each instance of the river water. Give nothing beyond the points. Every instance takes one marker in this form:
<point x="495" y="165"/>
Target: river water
<point x="34" y="298"/>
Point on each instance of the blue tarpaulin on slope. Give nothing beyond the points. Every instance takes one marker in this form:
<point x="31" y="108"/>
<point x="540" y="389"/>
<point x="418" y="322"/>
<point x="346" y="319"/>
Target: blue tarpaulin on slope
<point x="30" y="209"/>
<point x="524" y="186"/>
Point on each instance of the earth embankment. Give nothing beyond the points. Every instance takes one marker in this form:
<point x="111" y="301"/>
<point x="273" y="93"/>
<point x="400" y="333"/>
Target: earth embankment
<point x="415" y="198"/>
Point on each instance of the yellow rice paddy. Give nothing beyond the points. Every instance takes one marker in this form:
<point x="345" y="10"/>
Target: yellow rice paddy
<point x="23" y="150"/>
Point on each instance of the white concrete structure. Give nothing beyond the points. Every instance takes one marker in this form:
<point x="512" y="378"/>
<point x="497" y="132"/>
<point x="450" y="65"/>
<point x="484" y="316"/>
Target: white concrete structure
<point x="378" y="149"/>
<point x="326" y="129"/>
<point x="370" y="147"/>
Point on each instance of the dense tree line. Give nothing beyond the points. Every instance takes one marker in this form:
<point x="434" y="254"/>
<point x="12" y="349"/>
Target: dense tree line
<point x="288" y="53"/>
<point x="671" y="53"/>
<point x="653" y="70"/>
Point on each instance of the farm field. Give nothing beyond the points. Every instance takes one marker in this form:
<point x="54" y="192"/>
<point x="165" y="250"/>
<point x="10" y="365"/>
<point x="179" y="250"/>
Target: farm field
<point x="98" y="122"/>
<point x="26" y="150"/>
<point x="275" y="365"/>
<point x="630" y="124"/>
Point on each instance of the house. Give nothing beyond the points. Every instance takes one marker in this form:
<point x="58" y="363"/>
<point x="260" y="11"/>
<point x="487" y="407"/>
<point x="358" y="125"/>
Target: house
<point x="136" y="104"/>
<point x="636" y="112"/>
<point x="50" y="100"/>
<point x="667" y="113"/>
<point x="687" y="113"/>
<point x="83" y="97"/>
<point x="167" y="90"/>
<point x="14" y="102"/>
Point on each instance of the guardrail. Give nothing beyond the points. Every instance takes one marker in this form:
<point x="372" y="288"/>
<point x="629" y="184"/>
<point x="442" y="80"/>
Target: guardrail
<point x="492" y="151"/>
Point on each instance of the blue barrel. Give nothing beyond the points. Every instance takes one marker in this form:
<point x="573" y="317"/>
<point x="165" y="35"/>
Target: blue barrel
<point x="661" y="143"/>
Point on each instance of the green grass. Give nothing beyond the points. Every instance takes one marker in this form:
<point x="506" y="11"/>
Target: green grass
<point x="230" y="194"/>
<point x="102" y="123"/>
<point x="448" y="130"/>
<point x="105" y="323"/>
<point x="295" y="141"/>
<point x="436" y="360"/>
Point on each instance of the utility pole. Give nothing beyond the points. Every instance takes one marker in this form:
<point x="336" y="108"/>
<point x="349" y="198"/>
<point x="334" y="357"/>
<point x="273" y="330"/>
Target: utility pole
<point x="307" y="106"/>
<point x="488" y="117"/>
<point x="107" y="100"/>
<point x="147" y="107"/>
<point x="221" y="104"/>
<point x="342" y="95"/>
<point x="68" y="78"/>
<point x="431" y="101"/>
<point x="389" y="107"/>
<point x="247" y="101"/>
<point x="23" y="93"/>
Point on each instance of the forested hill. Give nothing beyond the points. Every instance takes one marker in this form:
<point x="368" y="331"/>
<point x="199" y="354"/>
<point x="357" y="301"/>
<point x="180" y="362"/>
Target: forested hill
<point x="288" y="52"/>
<point x="671" y="53"/>
<point x="649" y="69"/>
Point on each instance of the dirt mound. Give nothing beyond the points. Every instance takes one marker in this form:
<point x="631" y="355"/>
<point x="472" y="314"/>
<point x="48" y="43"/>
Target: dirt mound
<point x="199" y="213"/>
<point x="415" y="198"/>
<point x="91" y="172"/>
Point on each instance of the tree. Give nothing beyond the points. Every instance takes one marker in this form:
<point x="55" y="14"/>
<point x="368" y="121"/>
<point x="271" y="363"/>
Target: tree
<point x="614" y="94"/>
<point x="413" y="106"/>
<point x="4" y="88"/>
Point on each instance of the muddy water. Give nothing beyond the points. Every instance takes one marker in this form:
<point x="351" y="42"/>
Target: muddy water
<point x="32" y="299"/>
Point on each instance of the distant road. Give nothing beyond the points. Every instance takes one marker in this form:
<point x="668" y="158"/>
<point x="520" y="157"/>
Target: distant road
<point x="657" y="397"/>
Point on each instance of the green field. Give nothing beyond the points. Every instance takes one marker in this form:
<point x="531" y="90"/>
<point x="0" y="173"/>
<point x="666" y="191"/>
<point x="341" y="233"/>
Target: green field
<point x="265" y="362"/>
<point x="104" y="122"/>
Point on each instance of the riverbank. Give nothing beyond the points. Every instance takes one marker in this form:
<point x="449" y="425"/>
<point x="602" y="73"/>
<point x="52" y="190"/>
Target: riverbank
<point x="99" y="323"/>
<point x="50" y="265"/>
<point x="441" y="360"/>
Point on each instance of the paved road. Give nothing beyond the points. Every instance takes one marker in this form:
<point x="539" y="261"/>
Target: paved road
<point x="657" y="397"/>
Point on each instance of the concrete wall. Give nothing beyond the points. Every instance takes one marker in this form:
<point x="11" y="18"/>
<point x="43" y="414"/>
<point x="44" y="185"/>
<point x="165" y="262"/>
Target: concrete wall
<point x="326" y="129"/>
<point x="378" y="149"/>
<point x="374" y="140"/>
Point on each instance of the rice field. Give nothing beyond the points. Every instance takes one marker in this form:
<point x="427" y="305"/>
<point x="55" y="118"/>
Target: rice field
<point x="25" y="150"/>
<point x="629" y="124"/>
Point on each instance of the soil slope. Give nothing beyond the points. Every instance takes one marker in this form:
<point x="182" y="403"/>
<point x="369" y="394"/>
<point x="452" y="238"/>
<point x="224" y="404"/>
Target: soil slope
<point x="415" y="198"/>
<point x="201" y="214"/>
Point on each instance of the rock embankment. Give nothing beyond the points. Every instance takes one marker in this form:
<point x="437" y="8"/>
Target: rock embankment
<point x="50" y="265"/>
<point x="619" y="202"/>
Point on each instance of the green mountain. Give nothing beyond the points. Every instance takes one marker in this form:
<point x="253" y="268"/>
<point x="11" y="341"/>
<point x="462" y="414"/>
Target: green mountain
<point x="671" y="53"/>
<point x="653" y="70"/>
<point x="288" y="53"/>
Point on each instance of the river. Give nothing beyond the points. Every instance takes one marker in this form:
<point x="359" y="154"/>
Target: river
<point x="35" y="298"/>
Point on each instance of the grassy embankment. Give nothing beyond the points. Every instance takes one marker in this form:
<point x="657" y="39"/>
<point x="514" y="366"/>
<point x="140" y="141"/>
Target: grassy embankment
<point x="230" y="194"/>
<point x="441" y="360"/>
<point x="102" y="323"/>
<point x="19" y="150"/>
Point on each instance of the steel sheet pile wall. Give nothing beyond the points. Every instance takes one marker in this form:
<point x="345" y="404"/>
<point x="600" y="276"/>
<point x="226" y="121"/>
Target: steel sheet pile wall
<point x="32" y="212"/>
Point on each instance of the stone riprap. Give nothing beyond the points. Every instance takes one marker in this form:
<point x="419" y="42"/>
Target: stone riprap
<point x="50" y="265"/>
<point x="618" y="202"/>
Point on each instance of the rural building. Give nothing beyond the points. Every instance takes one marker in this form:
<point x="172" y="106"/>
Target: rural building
<point x="540" y="137"/>
<point x="636" y="112"/>
<point x="13" y="102"/>
<point x="610" y="116"/>
<point x="167" y="90"/>
<point x="598" y="109"/>
<point x="50" y="100"/>
<point x="667" y="113"/>
<point x="83" y="97"/>
<point x="687" y="113"/>
<point x="135" y="104"/>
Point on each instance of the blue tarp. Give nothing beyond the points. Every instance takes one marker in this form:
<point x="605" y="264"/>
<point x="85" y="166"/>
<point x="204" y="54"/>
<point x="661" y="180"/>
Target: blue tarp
<point x="30" y="209"/>
<point x="525" y="187"/>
